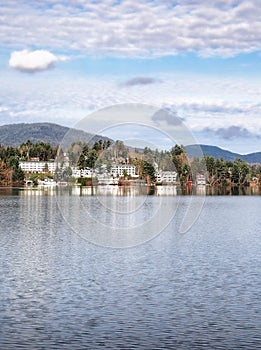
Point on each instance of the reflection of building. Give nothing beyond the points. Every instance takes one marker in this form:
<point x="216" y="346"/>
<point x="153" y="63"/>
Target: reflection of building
<point x="166" y="190"/>
<point x="166" y="176"/>
<point x="201" y="190"/>
<point x="122" y="169"/>
<point x="36" y="166"/>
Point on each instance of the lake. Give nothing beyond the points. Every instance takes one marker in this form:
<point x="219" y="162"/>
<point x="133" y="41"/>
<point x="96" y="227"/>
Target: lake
<point x="129" y="269"/>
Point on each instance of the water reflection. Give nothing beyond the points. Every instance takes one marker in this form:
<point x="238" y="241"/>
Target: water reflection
<point x="121" y="191"/>
<point x="198" y="291"/>
<point x="166" y="191"/>
<point x="133" y="191"/>
<point x="233" y="190"/>
<point x="174" y="190"/>
<point x="117" y="220"/>
<point x="201" y="190"/>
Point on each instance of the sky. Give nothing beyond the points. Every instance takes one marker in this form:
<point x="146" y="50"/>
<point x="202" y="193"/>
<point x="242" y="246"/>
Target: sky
<point x="61" y="61"/>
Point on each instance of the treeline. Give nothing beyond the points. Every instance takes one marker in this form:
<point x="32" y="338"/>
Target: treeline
<point x="217" y="171"/>
<point x="82" y="155"/>
<point x="10" y="172"/>
<point x="225" y="172"/>
<point x="103" y="154"/>
<point x="28" y="150"/>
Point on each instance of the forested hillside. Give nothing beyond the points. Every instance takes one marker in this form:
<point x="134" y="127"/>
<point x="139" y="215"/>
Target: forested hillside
<point x="16" y="134"/>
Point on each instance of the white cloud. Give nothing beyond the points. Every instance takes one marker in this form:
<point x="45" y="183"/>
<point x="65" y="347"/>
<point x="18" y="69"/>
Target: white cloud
<point x="134" y="29"/>
<point x="3" y="109"/>
<point x="32" y="61"/>
<point x="202" y="101"/>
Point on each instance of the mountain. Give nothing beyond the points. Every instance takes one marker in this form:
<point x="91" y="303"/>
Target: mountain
<point x="216" y="152"/>
<point x="15" y="134"/>
<point x="252" y="157"/>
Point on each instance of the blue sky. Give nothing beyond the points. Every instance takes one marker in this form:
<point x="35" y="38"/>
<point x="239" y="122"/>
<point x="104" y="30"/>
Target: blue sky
<point x="62" y="60"/>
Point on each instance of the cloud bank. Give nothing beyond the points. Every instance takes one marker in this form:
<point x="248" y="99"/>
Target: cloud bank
<point x="33" y="61"/>
<point x="145" y="28"/>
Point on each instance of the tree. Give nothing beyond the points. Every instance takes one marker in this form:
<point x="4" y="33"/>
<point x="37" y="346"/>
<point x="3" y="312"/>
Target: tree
<point x="211" y="168"/>
<point x="179" y="159"/>
<point x="18" y="175"/>
<point x="2" y="171"/>
<point x="198" y="166"/>
<point x="13" y="163"/>
<point x="221" y="171"/>
<point x="240" y="170"/>
<point x="106" y="144"/>
<point x="177" y="150"/>
<point x="97" y="146"/>
<point x="82" y="161"/>
<point x="119" y="150"/>
<point x="67" y="172"/>
<point x="25" y="149"/>
<point x="185" y="173"/>
<point x="148" y="171"/>
<point x="11" y="152"/>
<point x="91" y="158"/>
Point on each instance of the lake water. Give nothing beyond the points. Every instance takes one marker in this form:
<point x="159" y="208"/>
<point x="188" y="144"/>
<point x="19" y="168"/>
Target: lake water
<point x="198" y="289"/>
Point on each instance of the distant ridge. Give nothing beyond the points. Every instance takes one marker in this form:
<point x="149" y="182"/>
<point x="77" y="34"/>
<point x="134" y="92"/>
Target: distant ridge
<point x="217" y="152"/>
<point x="15" y="134"/>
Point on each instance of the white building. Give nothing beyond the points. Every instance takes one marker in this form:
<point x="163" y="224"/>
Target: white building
<point x="36" y="166"/>
<point x="166" y="176"/>
<point x="201" y="180"/>
<point x="65" y="163"/>
<point x="118" y="170"/>
<point x="107" y="179"/>
<point x="86" y="172"/>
